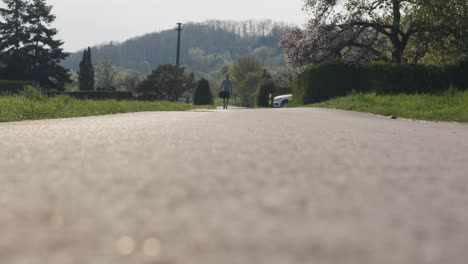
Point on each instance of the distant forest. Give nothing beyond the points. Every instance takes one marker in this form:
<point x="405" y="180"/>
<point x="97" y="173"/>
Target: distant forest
<point x="206" y="47"/>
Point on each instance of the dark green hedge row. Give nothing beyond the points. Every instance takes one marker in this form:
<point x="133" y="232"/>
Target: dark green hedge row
<point x="283" y="91"/>
<point x="13" y="87"/>
<point x="263" y="92"/>
<point x="326" y="81"/>
<point x="97" y="95"/>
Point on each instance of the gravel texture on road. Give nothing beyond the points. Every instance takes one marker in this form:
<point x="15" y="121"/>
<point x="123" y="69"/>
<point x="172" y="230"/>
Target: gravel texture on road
<point x="271" y="186"/>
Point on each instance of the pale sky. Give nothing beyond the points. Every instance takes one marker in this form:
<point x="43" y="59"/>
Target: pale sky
<point x="83" y="23"/>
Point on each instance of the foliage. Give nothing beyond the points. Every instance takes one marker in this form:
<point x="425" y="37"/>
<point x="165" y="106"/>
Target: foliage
<point x="246" y="74"/>
<point x="247" y="88"/>
<point x="105" y="75"/>
<point x="127" y="80"/>
<point x="266" y="87"/>
<point x="285" y="77"/>
<point x="32" y="93"/>
<point x="13" y="36"/>
<point x="206" y="47"/>
<point x="97" y="95"/>
<point x="28" y="48"/>
<point x="167" y="82"/>
<point x="86" y="73"/>
<point x="203" y="95"/>
<point x="326" y="81"/>
<point x="16" y="108"/>
<point x="378" y="30"/>
<point x="451" y="105"/>
<point x="13" y="86"/>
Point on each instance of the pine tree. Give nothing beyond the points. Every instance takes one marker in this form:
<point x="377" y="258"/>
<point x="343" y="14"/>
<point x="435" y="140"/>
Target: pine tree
<point x="86" y="74"/>
<point x="90" y="70"/>
<point x="82" y="76"/>
<point x="14" y="35"/>
<point x="203" y="94"/>
<point x="45" y="52"/>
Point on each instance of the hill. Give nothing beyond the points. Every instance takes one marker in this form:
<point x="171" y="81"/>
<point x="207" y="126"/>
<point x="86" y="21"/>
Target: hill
<point x="206" y="47"/>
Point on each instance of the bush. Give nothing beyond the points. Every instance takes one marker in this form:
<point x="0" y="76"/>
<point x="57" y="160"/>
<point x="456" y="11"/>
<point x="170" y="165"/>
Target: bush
<point x="265" y="88"/>
<point x="167" y="82"/>
<point x="282" y="91"/>
<point x="101" y="95"/>
<point x="32" y="93"/>
<point x="12" y="86"/>
<point x="459" y="73"/>
<point x="203" y="94"/>
<point x="97" y="95"/>
<point x="326" y="81"/>
<point x="247" y="87"/>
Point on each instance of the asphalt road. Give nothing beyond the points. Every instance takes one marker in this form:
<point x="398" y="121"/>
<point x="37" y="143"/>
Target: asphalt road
<point x="282" y="186"/>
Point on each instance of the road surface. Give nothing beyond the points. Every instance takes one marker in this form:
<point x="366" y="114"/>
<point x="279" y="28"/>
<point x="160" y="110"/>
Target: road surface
<point x="279" y="186"/>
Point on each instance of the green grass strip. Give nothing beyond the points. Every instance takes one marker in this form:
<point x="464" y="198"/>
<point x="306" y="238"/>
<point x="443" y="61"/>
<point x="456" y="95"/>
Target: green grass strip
<point x="26" y="107"/>
<point x="449" y="106"/>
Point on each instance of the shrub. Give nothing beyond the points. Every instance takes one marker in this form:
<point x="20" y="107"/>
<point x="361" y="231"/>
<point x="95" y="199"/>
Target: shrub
<point x="32" y="93"/>
<point x="265" y="88"/>
<point x="167" y="82"/>
<point x="203" y="94"/>
<point x="247" y="72"/>
<point x="247" y="88"/>
<point x="459" y="73"/>
<point x="96" y="95"/>
<point x="12" y="86"/>
<point x="326" y="81"/>
<point x="282" y="91"/>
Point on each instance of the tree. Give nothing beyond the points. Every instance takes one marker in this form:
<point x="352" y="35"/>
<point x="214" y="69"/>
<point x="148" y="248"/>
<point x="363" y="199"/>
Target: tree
<point x="86" y="74"/>
<point x="167" y="82"/>
<point x="246" y="74"/>
<point x="28" y="47"/>
<point x="45" y="52"/>
<point x="203" y="95"/>
<point x="369" y="30"/>
<point x="127" y="80"/>
<point x="14" y="35"/>
<point x="284" y="78"/>
<point x="450" y="42"/>
<point x="105" y="75"/>
<point x="208" y="46"/>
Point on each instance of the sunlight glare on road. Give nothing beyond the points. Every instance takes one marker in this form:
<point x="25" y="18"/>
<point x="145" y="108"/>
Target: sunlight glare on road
<point x="125" y="245"/>
<point x="152" y="248"/>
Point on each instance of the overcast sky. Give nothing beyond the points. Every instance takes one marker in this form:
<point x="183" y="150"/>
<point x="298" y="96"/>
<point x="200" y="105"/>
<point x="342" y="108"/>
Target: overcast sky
<point x="84" y="23"/>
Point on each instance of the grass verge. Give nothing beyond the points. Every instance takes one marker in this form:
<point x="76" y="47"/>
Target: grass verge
<point x="233" y="102"/>
<point x="31" y="106"/>
<point x="449" y="106"/>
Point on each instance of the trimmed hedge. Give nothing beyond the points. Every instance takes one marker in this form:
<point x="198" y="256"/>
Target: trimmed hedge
<point x="326" y="81"/>
<point x="203" y="95"/>
<point x="97" y="95"/>
<point x="264" y="89"/>
<point x="283" y="91"/>
<point x="13" y="86"/>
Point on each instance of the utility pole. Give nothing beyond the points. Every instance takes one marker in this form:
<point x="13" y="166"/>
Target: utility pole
<point x="179" y="30"/>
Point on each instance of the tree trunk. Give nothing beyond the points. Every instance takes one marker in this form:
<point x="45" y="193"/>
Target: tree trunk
<point x="397" y="54"/>
<point x="398" y="48"/>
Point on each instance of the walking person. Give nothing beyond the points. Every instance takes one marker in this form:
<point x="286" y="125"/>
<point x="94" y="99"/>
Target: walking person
<point x="225" y="91"/>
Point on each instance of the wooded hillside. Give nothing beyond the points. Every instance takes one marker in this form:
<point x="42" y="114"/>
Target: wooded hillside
<point x="206" y="47"/>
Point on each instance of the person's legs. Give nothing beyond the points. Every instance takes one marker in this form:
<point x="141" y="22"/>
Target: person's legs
<point x="224" y="102"/>
<point x="227" y="102"/>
